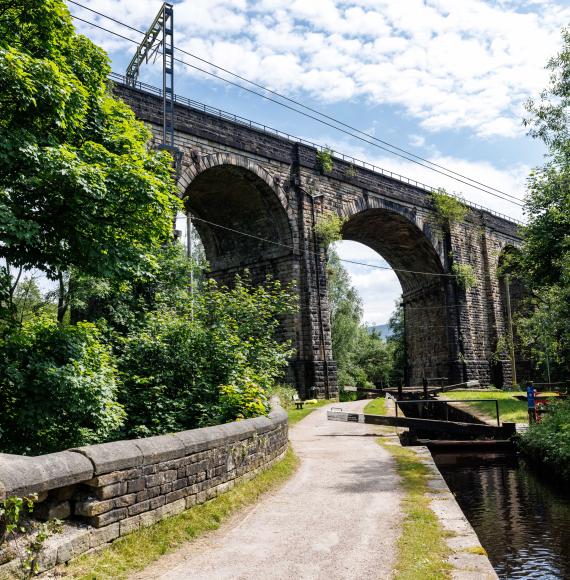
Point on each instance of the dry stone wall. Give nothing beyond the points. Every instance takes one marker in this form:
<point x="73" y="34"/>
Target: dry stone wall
<point x="109" y="490"/>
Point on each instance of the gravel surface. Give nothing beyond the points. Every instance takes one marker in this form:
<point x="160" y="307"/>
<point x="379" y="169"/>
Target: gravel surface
<point x="338" y="517"/>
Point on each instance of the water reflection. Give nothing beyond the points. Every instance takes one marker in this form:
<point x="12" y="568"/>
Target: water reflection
<point x="522" y="520"/>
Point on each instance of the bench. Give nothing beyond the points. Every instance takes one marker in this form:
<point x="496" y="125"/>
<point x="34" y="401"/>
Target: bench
<point x="298" y="403"/>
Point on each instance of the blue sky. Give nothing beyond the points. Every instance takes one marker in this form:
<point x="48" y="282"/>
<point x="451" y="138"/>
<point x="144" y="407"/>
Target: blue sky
<point x="445" y="79"/>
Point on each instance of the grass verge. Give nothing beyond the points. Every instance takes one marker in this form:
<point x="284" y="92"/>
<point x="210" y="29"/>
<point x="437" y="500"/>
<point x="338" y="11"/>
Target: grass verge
<point x="376" y="407"/>
<point x="422" y="550"/>
<point x="136" y="551"/>
<point x="295" y="415"/>
<point x="511" y="410"/>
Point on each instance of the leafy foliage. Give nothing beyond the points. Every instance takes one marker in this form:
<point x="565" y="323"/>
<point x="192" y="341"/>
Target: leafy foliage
<point x="544" y="262"/>
<point x="79" y="187"/>
<point x="465" y="275"/>
<point x="243" y="401"/>
<point x="450" y="209"/>
<point x="548" y="442"/>
<point x="324" y="160"/>
<point x="129" y="348"/>
<point x="363" y="358"/>
<point x="329" y="229"/>
<point x="28" y="537"/>
<point x="58" y="388"/>
<point x="174" y="361"/>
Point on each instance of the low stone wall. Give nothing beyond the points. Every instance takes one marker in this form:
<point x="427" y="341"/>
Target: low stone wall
<point x="111" y="489"/>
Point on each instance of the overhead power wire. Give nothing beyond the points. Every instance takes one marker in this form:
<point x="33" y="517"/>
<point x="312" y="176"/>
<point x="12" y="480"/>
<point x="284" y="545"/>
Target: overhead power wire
<point x="408" y="156"/>
<point x="311" y="252"/>
<point x="298" y="103"/>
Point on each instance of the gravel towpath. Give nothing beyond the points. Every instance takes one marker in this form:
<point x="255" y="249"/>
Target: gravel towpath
<point x="337" y="518"/>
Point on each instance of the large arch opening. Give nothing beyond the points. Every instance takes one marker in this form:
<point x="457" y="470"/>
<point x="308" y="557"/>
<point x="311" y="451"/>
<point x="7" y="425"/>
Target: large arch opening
<point x="240" y="221"/>
<point x="428" y="307"/>
<point x="242" y="225"/>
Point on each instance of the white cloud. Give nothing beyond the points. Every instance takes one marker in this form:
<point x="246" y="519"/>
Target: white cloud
<point x="449" y="64"/>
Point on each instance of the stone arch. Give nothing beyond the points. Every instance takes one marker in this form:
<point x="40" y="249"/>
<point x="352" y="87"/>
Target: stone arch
<point x="247" y="204"/>
<point x="415" y="250"/>
<point x="194" y="167"/>
<point x="244" y="220"/>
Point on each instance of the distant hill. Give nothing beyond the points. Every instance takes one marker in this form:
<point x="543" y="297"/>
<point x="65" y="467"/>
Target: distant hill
<point x="383" y="330"/>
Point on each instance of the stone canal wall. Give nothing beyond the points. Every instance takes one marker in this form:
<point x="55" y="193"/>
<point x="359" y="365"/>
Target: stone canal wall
<point x="106" y="491"/>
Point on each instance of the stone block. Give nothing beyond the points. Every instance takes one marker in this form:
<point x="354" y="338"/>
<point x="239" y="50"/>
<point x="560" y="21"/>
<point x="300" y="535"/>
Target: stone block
<point x="125" y="500"/>
<point x="197" y="440"/>
<point x="139" y="508"/>
<point x="160" y="448"/>
<point x="109" y="517"/>
<point x="157" y="502"/>
<point x="104" y="535"/>
<point x="52" y="510"/>
<point x="114" y="456"/>
<point x="113" y="477"/>
<point x="94" y="507"/>
<point x="129" y="525"/>
<point x="149" y="518"/>
<point x="180" y="484"/>
<point x="175" y="495"/>
<point x="135" y="485"/>
<point x="112" y="490"/>
<point x="20" y="475"/>
<point x="73" y="547"/>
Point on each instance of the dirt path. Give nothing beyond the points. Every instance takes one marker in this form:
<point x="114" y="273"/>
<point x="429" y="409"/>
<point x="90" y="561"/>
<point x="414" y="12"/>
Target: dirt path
<point x="338" y="517"/>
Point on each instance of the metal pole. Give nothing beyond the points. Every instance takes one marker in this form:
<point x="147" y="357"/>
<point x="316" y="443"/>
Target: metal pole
<point x="510" y="330"/>
<point x="497" y="410"/>
<point x="190" y="254"/>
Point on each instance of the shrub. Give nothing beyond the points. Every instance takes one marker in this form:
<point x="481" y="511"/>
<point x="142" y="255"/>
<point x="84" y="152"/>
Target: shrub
<point x="284" y="393"/>
<point x="450" y="209"/>
<point x="548" y="442"/>
<point x="324" y="160"/>
<point x="242" y="401"/>
<point x="465" y="275"/>
<point x="173" y="363"/>
<point x="58" y="388"/>
<point x="329" y="229"/>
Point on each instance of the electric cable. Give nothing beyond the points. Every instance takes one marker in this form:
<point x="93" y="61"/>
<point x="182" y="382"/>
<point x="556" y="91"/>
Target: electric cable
<point x="300" y="104"/>
<point x="509" y="198"/>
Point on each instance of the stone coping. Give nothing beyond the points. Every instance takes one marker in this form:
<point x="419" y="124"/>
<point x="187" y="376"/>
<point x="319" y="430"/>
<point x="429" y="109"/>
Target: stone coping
<point x="22" y="475"/>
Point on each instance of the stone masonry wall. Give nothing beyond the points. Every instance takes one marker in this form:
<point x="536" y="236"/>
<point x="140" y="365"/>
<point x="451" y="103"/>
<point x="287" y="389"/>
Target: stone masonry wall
<point x="450" y="332"/>
<point x="109" y="490"/>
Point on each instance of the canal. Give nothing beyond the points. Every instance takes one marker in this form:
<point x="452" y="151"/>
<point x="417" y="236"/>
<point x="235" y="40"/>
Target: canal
<point x="522" y="520"/>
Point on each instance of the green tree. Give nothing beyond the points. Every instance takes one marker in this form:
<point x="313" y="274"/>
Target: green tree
<point x="58" y="388"/>
<point x="544" y="263"/>
<point x="346" y="313"/>
<point x="79" y="187"/>
<point x="363" y="358"/>
<point x="397" y="342"/>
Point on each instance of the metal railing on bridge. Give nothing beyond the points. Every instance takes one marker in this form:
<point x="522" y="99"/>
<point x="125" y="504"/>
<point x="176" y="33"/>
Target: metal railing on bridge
<point x="294" y="139"/>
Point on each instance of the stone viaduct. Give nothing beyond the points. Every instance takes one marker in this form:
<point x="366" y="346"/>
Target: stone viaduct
<point x="267" y="185"/>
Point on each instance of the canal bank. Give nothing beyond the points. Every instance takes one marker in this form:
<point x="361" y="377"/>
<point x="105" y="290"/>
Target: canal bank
<point x="520" y="515"/>
<point x="521" y="518"/>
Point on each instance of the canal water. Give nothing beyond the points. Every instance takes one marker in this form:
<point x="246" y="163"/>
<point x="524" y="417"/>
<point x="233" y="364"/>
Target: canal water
<point x="522" y="519"/>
